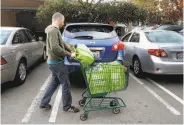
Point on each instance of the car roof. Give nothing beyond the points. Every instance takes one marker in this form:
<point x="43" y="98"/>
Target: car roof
<point x="170" y="27"/>
<point x="70" y="24"/>
<point x="143" y="31"/>
<point x="12" y="28"/>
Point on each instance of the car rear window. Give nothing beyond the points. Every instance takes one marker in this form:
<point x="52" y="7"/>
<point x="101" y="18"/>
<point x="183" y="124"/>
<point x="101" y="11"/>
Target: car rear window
<point x="90" y="32"/>
<point x="175" y="28"/>
<point x="4" y="36"/>
<point x="164" y="37"/>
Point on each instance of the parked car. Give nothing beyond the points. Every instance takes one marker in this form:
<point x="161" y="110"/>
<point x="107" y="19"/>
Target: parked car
<point x="19" y="51"/>
<point x="175" y="28"/>
<point x="101" y="39"/>
<point x="137" y="28"/>
<point x="151" y="27"/>
<point x="181" y="32"/>
<point x="154" y="51"/>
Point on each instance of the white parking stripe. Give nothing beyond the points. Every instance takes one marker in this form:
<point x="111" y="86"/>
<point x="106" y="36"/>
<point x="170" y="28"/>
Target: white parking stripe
<point x="56" y="106"/>
<point x="168" y="106"/>
<point x="167" y="91"/>
<point x="35" y="101"/>
<point x="136" y="79"/>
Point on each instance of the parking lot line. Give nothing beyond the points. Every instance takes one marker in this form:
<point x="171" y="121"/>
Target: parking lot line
<point x="167" y="105"/>
<point x="35" y="101"/>
<point x="167" y="91"/>
<point x="56" y="106"/>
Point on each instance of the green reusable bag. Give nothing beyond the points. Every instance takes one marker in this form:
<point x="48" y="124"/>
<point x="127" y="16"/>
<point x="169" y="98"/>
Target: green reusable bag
<point x="106" y="77"/>
<point x="84" y="54"/>
<point x="117" y="76"/>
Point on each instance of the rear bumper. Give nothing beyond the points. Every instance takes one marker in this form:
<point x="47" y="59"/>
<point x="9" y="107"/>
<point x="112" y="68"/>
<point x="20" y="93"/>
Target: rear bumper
<point x="8" y="73"/>
<point x="168" y="68"/>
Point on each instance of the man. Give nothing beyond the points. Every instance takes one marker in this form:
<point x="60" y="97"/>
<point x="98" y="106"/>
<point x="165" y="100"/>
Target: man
<point x="57" y="50"/>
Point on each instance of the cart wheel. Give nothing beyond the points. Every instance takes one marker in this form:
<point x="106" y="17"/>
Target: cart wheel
<point x="113" y="103"/>
<point x="116" y="110"/>
<point x="82" y="102"/>
<point x="83" y="117"/>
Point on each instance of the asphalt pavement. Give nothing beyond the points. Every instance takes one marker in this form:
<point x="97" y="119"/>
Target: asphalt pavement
<point x="150" y="100"/>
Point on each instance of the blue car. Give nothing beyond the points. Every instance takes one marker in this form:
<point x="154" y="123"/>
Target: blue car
<point x="101" y="39"/>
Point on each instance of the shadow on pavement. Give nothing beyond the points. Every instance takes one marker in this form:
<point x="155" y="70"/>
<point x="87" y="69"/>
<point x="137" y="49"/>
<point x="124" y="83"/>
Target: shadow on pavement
<point x="8" y="85"/>
<point x="177" y="79"/>
<point x="77" y="80"/>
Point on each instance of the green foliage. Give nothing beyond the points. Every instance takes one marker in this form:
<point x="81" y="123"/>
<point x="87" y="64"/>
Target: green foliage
<point x="162" y="10"/>
<point x="79" y="11"/>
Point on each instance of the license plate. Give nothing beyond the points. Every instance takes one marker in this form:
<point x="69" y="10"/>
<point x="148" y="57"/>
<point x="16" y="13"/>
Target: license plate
<point x="179" y="55"/>
<point x="96" y="54"/>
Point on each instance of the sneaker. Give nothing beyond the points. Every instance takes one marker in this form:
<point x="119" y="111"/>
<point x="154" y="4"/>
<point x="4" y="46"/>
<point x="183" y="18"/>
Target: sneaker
<point x="73" y="109"/>
<point x="48" y="106"/>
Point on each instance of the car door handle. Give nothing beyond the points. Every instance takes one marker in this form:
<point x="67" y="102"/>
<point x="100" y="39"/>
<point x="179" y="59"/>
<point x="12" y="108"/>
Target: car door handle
<point x="26" y="49"/>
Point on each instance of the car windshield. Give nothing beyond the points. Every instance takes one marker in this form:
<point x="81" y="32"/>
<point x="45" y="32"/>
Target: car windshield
<point x="4" y="36"/>
<point x="90" y="32"/>
<point x="164" y="37"/>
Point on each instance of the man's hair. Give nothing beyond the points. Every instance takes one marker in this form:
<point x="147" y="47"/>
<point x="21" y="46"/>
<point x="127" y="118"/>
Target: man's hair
<point x="57" y="16"/>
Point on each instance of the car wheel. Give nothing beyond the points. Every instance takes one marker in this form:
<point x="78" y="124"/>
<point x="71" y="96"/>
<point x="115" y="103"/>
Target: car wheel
<point x="137" y="68"/>
<point x="44" y="56"/>
<point x="21" y="73"/>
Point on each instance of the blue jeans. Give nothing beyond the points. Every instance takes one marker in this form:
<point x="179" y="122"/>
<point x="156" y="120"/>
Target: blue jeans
<point x="59" y="76"/>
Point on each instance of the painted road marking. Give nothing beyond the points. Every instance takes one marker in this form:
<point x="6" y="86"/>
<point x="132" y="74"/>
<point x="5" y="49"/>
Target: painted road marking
<point x="35" y="101"/>
<point x="167" y="105"/>
<point x="56" y="105"/>
<point x="167" y="91"/>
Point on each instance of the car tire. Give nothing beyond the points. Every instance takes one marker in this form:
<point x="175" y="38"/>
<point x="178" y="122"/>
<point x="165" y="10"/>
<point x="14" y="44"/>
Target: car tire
<point x="44" y="56"/>
<point x="137" y="67"/>
<point x="21" y="73"/>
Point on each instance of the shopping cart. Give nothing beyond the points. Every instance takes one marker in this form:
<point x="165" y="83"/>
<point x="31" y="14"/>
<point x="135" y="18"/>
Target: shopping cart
<point x="101" y="80"/>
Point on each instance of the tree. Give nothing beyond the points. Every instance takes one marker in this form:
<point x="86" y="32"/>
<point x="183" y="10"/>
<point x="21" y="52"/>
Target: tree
<point x="162" y="10"/>
<point x="172" y="10"/>
<point x="90" y="11"/>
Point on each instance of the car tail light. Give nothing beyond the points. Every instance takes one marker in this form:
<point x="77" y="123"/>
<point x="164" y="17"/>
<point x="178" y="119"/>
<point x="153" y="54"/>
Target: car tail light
<point x="118" y="46"/>
<point x="157" y="52"/>
<point x="3" y="61"/>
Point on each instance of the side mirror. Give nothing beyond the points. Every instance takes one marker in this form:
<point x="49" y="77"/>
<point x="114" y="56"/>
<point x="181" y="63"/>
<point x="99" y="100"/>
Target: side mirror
<point x="40" y="38"/>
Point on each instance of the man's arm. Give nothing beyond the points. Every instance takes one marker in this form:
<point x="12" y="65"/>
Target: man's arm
<point x="67" y="47"/>
<point x="54" y="45"/>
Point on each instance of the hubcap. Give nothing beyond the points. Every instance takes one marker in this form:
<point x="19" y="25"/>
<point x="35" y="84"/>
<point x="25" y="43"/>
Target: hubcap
<point x="22" y="71"/>
<point x="136" y="67"/>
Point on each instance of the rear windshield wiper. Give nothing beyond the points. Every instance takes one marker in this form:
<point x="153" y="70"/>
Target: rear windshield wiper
<point x="83" y="37"/>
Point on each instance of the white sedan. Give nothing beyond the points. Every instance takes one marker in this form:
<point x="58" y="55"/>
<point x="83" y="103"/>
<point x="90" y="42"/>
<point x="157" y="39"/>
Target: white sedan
<point x="19" y="50"/>
<point x="154" y="51"/>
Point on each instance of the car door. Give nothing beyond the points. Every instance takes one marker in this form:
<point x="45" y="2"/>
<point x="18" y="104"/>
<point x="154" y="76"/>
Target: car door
<point x="127" y="44"/>
<point x="20" y="47"/>
<point x="37" y="47"/>
<point x="133" y="44"/>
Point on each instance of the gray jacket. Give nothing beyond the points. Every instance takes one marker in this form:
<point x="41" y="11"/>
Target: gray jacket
<point x="56" y="47"/>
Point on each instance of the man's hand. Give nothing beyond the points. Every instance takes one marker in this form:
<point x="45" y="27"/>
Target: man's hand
<point x="73" y="55"/>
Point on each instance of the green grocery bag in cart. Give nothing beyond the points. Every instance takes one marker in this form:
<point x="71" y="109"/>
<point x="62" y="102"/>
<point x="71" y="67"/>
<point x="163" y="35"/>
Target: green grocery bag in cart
<point x="106" y="77"/>
<point x="84" y="55"/>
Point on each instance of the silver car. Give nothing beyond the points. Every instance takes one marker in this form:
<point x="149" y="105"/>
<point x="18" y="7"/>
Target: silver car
<point x="19" y="51"/>
<point x="154" y="51"/>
